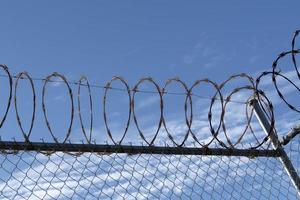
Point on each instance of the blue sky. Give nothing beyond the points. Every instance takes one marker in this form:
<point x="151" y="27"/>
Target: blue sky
<point x="162" y="39"/>
<point x="145" y="38"/>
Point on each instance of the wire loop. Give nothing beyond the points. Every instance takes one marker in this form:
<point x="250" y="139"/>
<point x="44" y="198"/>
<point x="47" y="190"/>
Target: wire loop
<point x="107" y="87"/>
<point x="18" y="77"/>
<point x="47" y="80"/>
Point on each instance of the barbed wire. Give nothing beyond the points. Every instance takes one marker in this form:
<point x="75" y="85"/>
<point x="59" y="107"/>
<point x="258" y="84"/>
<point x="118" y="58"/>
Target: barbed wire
<point x="93" y="85"/>
<point x="223" y="97"/>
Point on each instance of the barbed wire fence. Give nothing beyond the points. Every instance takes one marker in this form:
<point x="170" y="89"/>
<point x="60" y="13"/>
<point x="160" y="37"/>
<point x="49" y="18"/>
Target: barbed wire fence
<point x="256" y="163"/>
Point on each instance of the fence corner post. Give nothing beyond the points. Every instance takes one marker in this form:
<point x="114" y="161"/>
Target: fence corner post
<point x="266" y="126"/>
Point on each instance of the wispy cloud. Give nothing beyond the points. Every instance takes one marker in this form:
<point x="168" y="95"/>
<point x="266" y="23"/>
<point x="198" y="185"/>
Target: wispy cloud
<point x="147" y="102"/>
<point x="30" y="175"/>
<point x="120" y="176"/>
<point x="207" y="54"/>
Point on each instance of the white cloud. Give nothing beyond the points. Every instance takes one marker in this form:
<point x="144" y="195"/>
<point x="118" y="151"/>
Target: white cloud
<point x="147" y="102"/>
<point x="145" y="176"/>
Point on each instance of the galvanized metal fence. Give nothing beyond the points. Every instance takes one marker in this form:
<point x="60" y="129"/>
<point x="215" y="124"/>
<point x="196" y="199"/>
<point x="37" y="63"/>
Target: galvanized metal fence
<point x="256" y="163"/>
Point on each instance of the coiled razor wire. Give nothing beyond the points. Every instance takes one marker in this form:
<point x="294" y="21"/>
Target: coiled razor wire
<point x="47" y="80"/>
<point x="212" y="129"/>
<point x="223" y="99"/>
<point x="104" y="109"/>
<point x="87" y="137"/>
<point x="20" y="76"/>
<point x="119" y="171"/>
<point x="6" y="70"/>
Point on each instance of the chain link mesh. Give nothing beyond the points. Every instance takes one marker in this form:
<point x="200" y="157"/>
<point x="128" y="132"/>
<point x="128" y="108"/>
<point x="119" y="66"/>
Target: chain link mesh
<point x="31" y="175"/>
<point x="233" y="170"/>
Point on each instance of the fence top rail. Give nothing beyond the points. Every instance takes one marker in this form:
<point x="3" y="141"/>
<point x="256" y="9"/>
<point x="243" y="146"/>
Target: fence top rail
<point x="216" y="112"/>
<point x="48" y="148"/>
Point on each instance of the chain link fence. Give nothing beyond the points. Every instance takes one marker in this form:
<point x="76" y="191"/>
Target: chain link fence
<point x="254" y="161"/>
<point x="30" y="175"/>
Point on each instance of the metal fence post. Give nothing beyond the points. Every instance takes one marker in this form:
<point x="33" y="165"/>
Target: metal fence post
<point x="265" y="124"/>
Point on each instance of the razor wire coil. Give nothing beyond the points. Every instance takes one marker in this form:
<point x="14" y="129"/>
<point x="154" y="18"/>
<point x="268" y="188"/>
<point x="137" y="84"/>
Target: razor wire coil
<point x="223" y="98"/>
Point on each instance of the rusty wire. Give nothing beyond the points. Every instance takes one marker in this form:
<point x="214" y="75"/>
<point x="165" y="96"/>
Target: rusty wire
<point x="187" y="104"/>
<point x="48" y="78"/>
<point x="88" y="138"/>
<point x="213" y="131"/>
<point x="135" y="90"/>
<point x="20" y="76"/>
<point x="75" y="171"/>
<point x="116" y="78"/>
<point x="224" y="98"/>
<point x="6" y="70"/>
